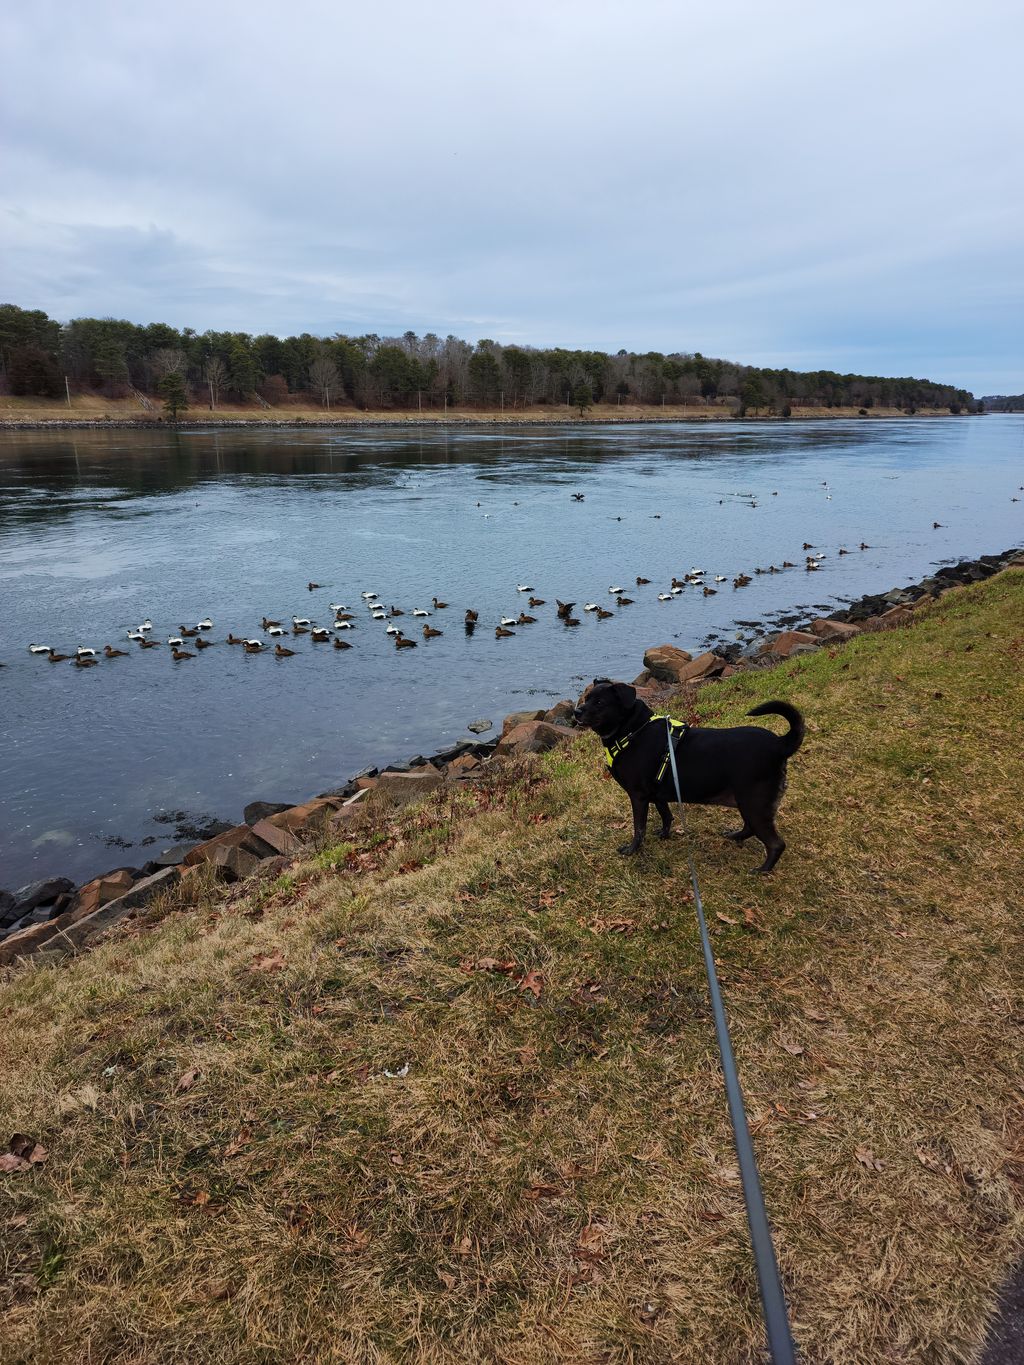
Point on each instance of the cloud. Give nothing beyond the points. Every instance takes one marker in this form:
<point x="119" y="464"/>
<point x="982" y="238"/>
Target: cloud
<point x="814" y="184"/>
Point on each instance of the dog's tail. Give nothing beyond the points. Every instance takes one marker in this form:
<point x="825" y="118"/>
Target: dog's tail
<point x="790" y="742"/>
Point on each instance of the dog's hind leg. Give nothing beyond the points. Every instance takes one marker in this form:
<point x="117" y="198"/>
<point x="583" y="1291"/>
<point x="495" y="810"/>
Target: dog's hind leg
<point x="738" y="835"/>
<point x="758" y="806"/>
<point x="665" y="811"/>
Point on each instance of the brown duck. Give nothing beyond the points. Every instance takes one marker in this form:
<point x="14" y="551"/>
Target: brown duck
<point x="624" y="601"/>
<point x="500" y="633"/>
<point x="56" y="658"/>
<point x="429" y="632"/>
<point x="189" y="632"/>
<point x="564" y="609"/>
<point x="342" y="644"/>
<point x="321" y="634"/>
<point x="205" y="644"/>
<point x="641" y="581"/>
<point x="113" y="653"/>
<point x="438" y="606"/>
<point x="181" y="654"/>
<point x="267" y="623"/>
<point x="603" y="615"/>
<point x="472" y="617"/>
<point x="84" y="661"/>
<point x="525" y="620"/>
<point x="395" y="611"/>
<point x="236" y="639"/>
<point x="150" y="644"/>
<point x="281" y="653"/>
<point x="402" y="643"/>
<point x="536" y="601"/>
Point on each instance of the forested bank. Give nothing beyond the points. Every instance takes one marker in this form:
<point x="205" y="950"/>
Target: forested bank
<point x="41" y="357"/>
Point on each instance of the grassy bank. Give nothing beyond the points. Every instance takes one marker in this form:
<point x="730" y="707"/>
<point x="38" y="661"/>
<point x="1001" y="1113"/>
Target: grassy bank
<point x="92" y="408"/>
<point x="450" y="1093"/>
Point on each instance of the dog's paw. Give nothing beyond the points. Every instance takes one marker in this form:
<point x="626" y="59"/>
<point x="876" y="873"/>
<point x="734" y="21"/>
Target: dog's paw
<point x="627" y="850"/>
<point x="664" y="833"/>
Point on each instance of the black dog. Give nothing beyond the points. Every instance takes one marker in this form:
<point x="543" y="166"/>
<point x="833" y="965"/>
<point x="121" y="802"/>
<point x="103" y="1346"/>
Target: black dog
<point x="743" y="767"/>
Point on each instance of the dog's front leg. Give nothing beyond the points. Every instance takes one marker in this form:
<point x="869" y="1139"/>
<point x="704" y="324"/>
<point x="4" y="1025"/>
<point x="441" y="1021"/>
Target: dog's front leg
<point x="639" y="808"/>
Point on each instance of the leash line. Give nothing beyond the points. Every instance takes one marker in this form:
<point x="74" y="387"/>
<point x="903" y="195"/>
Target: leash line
<point x="773" y="1300"/>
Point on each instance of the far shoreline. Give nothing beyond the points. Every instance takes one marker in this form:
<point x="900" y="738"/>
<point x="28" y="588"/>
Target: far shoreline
<point x="103" y="415"/>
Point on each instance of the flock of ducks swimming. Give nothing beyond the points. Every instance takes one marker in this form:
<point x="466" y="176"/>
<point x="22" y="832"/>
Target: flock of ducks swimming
<point x="189" y="641"/>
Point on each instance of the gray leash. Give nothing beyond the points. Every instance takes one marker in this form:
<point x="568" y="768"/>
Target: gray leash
<point x="773" y="1302"/>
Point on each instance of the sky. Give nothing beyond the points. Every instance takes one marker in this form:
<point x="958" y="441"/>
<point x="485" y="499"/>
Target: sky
<point x="797" y="184"/>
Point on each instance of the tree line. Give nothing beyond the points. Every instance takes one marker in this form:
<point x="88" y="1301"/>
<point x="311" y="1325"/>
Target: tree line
<point x="41" y="356"/>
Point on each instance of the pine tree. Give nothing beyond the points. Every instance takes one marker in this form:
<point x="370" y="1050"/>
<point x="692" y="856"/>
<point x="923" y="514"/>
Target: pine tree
<point x="172" y="390"/>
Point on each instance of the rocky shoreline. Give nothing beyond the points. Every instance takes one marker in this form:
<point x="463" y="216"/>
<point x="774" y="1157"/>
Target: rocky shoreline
<point x="54" y="918"/>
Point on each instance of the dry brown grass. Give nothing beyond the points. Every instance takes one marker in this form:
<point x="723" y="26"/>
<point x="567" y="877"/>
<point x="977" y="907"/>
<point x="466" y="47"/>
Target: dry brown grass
<point x="233" y="1176"/>
<point x="94" y="408"/>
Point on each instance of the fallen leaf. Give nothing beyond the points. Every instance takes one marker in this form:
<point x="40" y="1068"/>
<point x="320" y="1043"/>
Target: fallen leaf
<point x="237" y="1144"/>
<point x="591" y="1246"/>
<point x="9" y="1163"/>
<point x="541" y="1191"/>
<point x="818" y="1018"/>
<point x="612" y="926"/>
<point x="357" y="1239"/>
<point x="750" y="918"/>
<point x="794" y="1049"/>
<point x="725" y="918"/>
<point x="273" y="963"/>
<point x="532" y="981"/>
<point x="548" y="898"/>
<point x="188" y="1079"/>
<point x="867" y="1158"/>
<point x="20" y="1220"/>
<point x="931" y="1162"/>
<point x="202" y="1199"/>
<point x="396" y="1158"/>
<point x="449" y="1281"/>
<point x="463" y="1246"/>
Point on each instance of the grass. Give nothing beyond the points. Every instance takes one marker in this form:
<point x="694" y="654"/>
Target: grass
<point x="452" y="1094"/>
<point x="94" y="407"/>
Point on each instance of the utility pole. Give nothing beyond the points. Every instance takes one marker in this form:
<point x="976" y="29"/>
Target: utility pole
<point x="67" y="390"/>
<point x="419" y="400"/>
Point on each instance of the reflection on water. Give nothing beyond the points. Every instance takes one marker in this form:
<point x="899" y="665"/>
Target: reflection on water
<point x="99" y="530"/>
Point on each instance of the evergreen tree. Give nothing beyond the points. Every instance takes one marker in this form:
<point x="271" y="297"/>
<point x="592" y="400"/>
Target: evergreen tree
<point x="582" y="397"/>
<point x="172" y="390"/>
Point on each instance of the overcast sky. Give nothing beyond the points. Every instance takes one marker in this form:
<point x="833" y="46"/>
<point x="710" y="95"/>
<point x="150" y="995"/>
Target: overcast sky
<point x="808" y="184"/>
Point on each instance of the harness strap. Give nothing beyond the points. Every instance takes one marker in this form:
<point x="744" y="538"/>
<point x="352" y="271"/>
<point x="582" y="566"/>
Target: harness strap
<point x="619" y="746"/>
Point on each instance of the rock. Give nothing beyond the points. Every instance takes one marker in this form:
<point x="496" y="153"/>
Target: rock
<point x="259" y="810"/>
<point x="402" y="788"/>
<point x="235" y="861"/>
<point x="238" y="837"/>
<point x="40" y="893"/>
<point x="70" y="936"/>
<point x="642" y="679"/>
<point x="478" y="727"/>
<point x="924" y="601"/>
<point x="783" y="645"/>
<point x="561" y="713"/>
<point x="24" y="942"/>
<point x="665" y="662"/>
<point x="825" y="628"/>
<point x="7" y="903"/>
<point x="276" y="836"/>
<point x="465" y="763"/>
<point x="707" y="665"/>
<point x="532" y="737"/>
<point x="515" y="718"/>
<point x="171" y="857"/>
<point x="99" y="892"/>
<point x="895" y="615"/>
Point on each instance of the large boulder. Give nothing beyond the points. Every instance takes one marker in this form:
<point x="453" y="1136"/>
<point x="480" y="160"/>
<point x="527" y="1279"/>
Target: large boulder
<point x="24" y="942"/>
<point x="666" y="662"/>
<point x="241" y="836"/>
<point x="561" y="713"/>
<point x="41" y="893"/>
<point x="402" y="788"/>
<point x="783" y="645"/>
<point x="99" y="892"/>
<point x="515" y="718"/>
<point x="259" y="810"/>
<point x="532" y="737"/>
<point x="706" y="665"/>
<point x="827" y="629"/>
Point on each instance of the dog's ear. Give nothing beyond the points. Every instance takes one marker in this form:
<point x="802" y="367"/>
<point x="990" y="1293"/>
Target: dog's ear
<point x="625" y="695"/>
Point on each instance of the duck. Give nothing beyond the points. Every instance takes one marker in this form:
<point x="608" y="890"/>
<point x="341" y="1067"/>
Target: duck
<point x="150" y="644"/>
<point x="678" y="582"/>
<point x="439" y="606"/>
<point x="624" y="601"/>
<point x="205" y="644"/>
<point x="719" y="577"/>
<point x="508" y="621"/>
<point x="937" y="526"/>
<point x="664" y="597"/>
<point x="536" y="602"/>
<point x="694" y="570"/>
<point x="500" y="633"/>
<point x="378" y="616"/>
<point x="810" y="566"/>
<point x="641" y="581"/>
<point x="346" y="616"/>
<point x="590" y="606"/>
<point x="392" y="630"/>
<point x="235" y="639"/>
<point x="301" y="621"/>
<point x="396" y="611"/>
<point x="179" y="654"/>
<point x="788" y="564"/>
<point x="85" y="652"/>
<point x="281" y="653"/>
<point x="312" y="586"/>
<point x="525" y="620"/>
<point x="175" y="641"/>
<point x="337" y="607"/>
<point x="571" y="620"/>
<point x="675" y="591"/>
<point x="40" y="649"/>
<point x="204" y="624"/>
<point x="564" y="608"/>
<point x="603" y="615"/>
<point x="709" y="592"/>
<point x="342" y="644"/>
<point x="56" y="658"/>
<point x="420" y="611"/>
<point x="614" y="591"/>
<point x="864" y="545"/>
<point x="300" y="630"/>
<point x="343" y="625"/>
<point x="523" y="587"/>
<point x="472" y="617"/>
<point x="146" y="625"/>
<point x="136" y="635"/>
<point x="771" y="569"/>
<point x="252" y="646"/>
<point x="274" y="630"/>
<point x="578" y="497"/>
<point x="367" y="596"/>
<point x="742" y="581"/>
<point x="843" y="551"/>
<point x="84" y="661"/>
<point x="808" y="545"/>
<point x="320" y="634"/>
<point x="113" y="653"/>
<point x="190" y="632"/>
<point x="402" y="643"/>
<point x="429" y="633"/>
<point x="267" y="623"/>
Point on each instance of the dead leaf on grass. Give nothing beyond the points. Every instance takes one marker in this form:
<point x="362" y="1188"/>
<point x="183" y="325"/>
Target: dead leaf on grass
<point x="867" y="1158"/>
<point x="725" y="918"/>
<point x="23" y="1153"/>
<point x="541" y="1191"/>
<point x="236" y="1144"/>
<point x="750" y="919"/>
<point x="547" y="898"/>
<point x="188" y="1079"/>
<point x="533" y="982"/>
<point x="591" y="1246"/>
<point x="816" y="1016"/>
<point x="612" y="926"/>
<point x="487" y="964"/>
<point x="794" y="1049"/>
<point x="272" y="963"/>
<point x="449" y="1281"/>
<point x="464" y="1246"/>
<point x="356" y="1239"/>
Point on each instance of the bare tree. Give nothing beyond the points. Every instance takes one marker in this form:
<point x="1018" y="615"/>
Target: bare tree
<point x="215" y="372"/>
<point x="168" y="360"/>
<point x="323" y="375"/>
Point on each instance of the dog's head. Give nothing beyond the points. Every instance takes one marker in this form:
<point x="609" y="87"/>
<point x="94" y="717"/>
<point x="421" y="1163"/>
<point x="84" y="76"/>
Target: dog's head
<point x="605" y="705"/>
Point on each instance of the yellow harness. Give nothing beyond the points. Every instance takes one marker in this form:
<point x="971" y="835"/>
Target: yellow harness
<point x="619" y="747"/>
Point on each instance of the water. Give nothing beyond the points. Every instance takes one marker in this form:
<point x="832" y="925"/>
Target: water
<point x="100" y="530"/>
